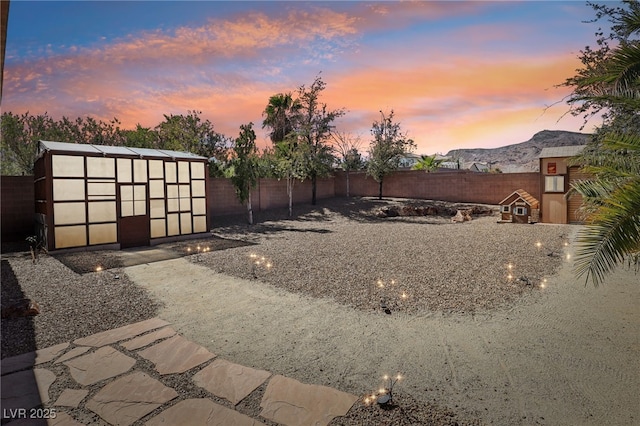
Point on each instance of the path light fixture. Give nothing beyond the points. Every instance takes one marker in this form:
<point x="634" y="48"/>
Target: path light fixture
<point x="257" y="261"/>
<point x="385" y="394"/>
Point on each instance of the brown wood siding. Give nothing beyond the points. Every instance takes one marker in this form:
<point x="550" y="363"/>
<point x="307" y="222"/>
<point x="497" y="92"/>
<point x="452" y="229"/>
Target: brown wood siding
<point x="575" y="201"/>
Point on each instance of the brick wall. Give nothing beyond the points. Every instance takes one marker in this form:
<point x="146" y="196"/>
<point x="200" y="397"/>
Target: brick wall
<point x="456" y="186"/>
<point x="17" y="205"/>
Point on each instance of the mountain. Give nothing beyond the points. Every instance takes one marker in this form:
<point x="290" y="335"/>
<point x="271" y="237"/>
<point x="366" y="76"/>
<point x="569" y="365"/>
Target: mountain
<point x="520" y="157"/>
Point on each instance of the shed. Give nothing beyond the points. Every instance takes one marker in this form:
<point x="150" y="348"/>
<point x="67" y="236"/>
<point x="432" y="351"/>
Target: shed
<point x="556" y="175"/>
<point x="520" y="207"/>
<point x="117" y="197"/>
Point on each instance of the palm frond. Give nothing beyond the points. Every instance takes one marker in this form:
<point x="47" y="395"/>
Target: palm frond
<point x="612" y="235"/>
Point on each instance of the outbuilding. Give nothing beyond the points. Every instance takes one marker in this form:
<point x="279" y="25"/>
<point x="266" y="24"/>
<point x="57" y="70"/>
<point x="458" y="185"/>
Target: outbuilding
<point x="118" y="197"/>
<point x="520" y="207"/>
<point x="557" y="174"/>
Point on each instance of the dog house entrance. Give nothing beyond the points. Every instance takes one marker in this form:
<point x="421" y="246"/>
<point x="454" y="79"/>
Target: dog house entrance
<point x="134" y="216"/>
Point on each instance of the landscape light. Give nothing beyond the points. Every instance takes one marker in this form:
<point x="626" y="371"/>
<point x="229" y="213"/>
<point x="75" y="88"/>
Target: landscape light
<point x="568" y="256"/>
<point x="98" y="268"/>
<point x="566" y="244"/>
<point x="398" y="377"/>
<point x="404" y="295"/>
<point x="380" y="284"/>
<point x="509" y="266"/>
<point x="385" y="377"/>
<point x="542" y="285"/>
<point x="188" y="249"/>
<point x="252" y="255"/>
<point x="509" y="276"/>
<point x="393" y="282"/>
<point x="382" y="391"/>
<point x="268" y="265"/>
<point x="538" y="244"/>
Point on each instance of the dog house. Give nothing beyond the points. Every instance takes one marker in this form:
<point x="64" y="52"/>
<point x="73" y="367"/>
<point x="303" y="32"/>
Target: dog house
<point x="118" y="197"/>
<point x="520" y="207"/>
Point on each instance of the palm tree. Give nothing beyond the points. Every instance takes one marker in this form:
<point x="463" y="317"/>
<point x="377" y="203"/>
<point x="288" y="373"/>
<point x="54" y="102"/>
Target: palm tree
<point x="279" y="115"/>
<point x="611" y="203"/>
<point x="427" y="163"/>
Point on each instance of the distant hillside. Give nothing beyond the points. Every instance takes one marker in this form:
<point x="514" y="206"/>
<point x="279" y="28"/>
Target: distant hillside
<point x="521" y="157"/>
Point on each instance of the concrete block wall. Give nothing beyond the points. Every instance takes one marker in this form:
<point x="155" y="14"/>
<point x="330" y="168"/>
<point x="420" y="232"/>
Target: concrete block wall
<point x="17" y="205"/>
<point x="268" y="194"/>
<point x="462" y="186"/>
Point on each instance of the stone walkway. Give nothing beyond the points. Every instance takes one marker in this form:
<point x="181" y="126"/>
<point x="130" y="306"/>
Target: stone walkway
<point x="146" y="373"/>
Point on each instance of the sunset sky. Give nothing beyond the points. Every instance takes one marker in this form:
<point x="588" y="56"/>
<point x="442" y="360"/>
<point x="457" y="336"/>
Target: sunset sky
<point x="458" y="74"/>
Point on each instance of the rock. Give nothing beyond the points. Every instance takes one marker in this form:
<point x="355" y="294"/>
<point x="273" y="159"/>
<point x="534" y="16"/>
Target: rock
<point x="22" y="308"/>
<point x="388" y="212"/>
<point x="462" y="216"/>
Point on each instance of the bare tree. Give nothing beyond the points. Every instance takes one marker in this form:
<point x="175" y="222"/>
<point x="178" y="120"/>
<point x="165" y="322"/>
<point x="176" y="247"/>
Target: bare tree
<point x="347" y="147"/>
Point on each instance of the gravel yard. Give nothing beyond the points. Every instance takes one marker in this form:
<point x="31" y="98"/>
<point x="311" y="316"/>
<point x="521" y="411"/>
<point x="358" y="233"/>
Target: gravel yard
<point x="468" y="312"/>
<point x="343" y="251"/>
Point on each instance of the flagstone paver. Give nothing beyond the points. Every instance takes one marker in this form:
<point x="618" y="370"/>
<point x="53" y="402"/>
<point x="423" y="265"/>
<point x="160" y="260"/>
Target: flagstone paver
<point x="290" y="402"/>
<point x="20" y="362"/>
<point x="102" y="364"/>
<point x="71" y="397"/>
<point x="129" y="398"/>
<point x="121" y="333"/>
<point x="73" y="353"/>
<point x="201" y="412"/>
<point x="230" y="381"/>
<point x="135" y="394"/>
<point x="26" y="389"/>
<point x="142" y="341"/>
<point x="176" y="355"/>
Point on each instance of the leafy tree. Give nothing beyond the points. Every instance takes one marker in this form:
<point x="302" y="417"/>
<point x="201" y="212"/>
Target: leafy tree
<point x="609" y="83"/>
<point x="245" y="166"/>
<point x="279" y="114"/>
<point x="313" y="128"/>
<point x="386" y="149"/>
<point x="141" y="137"/>
<point x="349" y="158"/>
<point x="287" y="161"/>
<point x="309" y="122"/>
<point x="191" y="134"/>
<point x="428" y="163"/>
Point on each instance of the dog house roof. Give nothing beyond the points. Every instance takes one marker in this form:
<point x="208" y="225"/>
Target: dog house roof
<point x="524" y="195"/>
<point x="115" y="151"/>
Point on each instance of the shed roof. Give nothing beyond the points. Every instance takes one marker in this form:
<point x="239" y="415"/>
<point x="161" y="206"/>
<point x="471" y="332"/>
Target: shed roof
<point x="521" y="193"/>
<point x="82" y="148"/>
<point x="561" y="151"/>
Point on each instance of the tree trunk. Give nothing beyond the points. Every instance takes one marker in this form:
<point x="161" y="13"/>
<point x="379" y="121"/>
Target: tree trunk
<point x="290" y="193"/>
<point x="380" y="190"/>
<point x="347" y="183"/>
<point x="250" y="209"/>
<point x="314" y="179"/>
